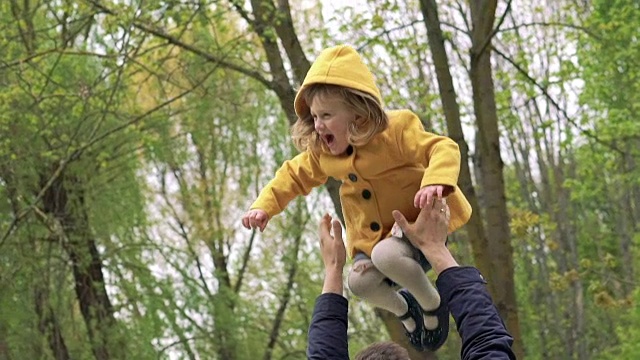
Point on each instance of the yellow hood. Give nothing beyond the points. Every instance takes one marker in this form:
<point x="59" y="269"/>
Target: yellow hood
<point x="338" y="65"/>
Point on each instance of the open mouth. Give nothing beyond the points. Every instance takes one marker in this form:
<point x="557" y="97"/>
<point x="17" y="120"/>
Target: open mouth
<point x="328" y="139"/>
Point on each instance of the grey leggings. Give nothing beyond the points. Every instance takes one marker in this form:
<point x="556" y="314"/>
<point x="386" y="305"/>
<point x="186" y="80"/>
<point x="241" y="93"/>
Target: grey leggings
<point x="424" y="263"/>
<point x="394" y="262"/>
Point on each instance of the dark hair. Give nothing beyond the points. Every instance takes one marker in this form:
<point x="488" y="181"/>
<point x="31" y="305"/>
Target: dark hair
<point x="386" y="350"/>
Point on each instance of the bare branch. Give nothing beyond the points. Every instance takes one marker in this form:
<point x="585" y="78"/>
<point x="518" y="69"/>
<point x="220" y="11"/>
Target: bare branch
<point x="243" y="13"/>
<point x="586" y="132"/>
<point x="464" y="16"/>
<point x="184" y="234"/>
<point x="245" y="262"/>
<point x="298" y="218"/>
<point x="24" y="212"/>
<point x="50" y="51"/>
<point x="487" y="41"/>
<point x="290" y="42"/>
<point x="23" y="33"/>
<point x="188" y="47"/>
<point x="551" y="24"/>
<point x="386" y="32"/>
<point x="75" y="155"/>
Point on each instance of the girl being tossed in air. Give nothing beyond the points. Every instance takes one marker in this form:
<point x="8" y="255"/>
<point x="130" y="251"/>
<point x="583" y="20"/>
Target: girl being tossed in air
<point x="386" y="161"/>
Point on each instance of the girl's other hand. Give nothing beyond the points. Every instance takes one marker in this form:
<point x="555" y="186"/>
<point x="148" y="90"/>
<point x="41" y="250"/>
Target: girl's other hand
<point x="255" y="218"/>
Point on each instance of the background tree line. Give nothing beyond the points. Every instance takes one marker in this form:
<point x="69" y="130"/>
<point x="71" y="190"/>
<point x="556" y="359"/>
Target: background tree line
<point x="133" y="135"/>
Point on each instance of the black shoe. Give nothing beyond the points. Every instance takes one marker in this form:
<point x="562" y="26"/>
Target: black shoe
<point x="415" y="312"/>
<point x="434" y="339"/>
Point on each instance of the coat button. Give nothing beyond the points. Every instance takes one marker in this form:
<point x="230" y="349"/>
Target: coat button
<point x="353" y="177"/>
<point x="349" y="150"/>
<point x="366" y="194"/>
<point x="374" y="226"/>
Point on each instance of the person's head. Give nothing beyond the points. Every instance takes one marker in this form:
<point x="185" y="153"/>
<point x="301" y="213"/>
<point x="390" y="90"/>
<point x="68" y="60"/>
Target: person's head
<point x="387" y="350"/>
<point x="338" y="104"/>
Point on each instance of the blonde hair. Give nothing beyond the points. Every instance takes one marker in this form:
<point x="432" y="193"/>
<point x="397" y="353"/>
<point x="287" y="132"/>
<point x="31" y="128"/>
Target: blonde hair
<point x="371" y="115"/>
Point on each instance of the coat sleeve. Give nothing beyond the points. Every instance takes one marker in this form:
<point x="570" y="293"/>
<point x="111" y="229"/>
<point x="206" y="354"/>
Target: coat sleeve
<point x="297" y="176"/>
<point x="440" y="155"/>
<point x="484" y="335"/>
<point x="328" y="329"/>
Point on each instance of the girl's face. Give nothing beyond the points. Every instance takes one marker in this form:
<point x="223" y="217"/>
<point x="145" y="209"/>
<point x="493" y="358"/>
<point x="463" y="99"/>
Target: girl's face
<point x="331" y="118"/>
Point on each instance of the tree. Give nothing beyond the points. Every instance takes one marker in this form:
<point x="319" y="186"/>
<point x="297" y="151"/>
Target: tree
<point x="492" y="246"/>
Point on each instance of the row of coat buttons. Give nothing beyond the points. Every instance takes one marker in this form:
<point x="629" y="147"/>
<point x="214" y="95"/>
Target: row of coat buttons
<point x="366" y="194"/>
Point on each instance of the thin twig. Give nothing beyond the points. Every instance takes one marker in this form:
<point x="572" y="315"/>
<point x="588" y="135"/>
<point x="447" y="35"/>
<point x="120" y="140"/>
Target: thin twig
<point x="387" y="32"/>
<point x="75" y="155"/>
<point x="551" y="24"/>
<point x="175" y="41"/>
<point x="544" y="91"/>
<point x="487" y="41"/>
<point x="27" y="59"/>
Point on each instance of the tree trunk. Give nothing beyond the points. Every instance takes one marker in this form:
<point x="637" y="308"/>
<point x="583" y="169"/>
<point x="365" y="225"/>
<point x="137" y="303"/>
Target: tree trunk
<point x="264" y="11"/>
<point x="475" y="226"/>
<point x="49" y="326"/>
<point x="545" y="299"/>
<point x="630" y="214"/>
<point x="91" y="293"/>
<point x="625" y="232"/>
<point x="81" y="248"/>
<point x="287" y="34"/>
<point x="5" y="353"/>
<point x="491" y="167"/>
<point x="632" y="155"/>
<point x="209" y="231"/>
<point x="579" y="326"/>
<point x="292" y="261"/>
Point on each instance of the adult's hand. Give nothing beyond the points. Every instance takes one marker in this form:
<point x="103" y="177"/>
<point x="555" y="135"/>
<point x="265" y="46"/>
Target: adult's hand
<point x="429" y="234"/>
<point x="334" y="255"/>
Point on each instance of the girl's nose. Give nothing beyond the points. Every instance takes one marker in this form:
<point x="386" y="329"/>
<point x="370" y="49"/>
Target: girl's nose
<point x="318" y="125"/>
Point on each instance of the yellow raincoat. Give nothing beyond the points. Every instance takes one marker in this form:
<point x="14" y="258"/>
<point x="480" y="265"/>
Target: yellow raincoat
<point x="377" y="178"/>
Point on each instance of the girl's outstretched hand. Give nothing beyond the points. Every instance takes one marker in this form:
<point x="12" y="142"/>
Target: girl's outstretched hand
<point x="430" y="193"/>
<point x="255" y="218"/>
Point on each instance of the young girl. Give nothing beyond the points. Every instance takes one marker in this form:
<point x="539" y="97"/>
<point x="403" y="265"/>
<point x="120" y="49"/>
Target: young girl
<point x="386" y="161"/>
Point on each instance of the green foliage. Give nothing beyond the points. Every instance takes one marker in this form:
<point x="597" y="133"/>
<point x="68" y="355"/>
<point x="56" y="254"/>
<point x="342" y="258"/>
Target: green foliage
<point x="627" y="329"/>
<point x="571" y="196"/>
<point x="611" y="68"/>
<point x="117" y="135"/>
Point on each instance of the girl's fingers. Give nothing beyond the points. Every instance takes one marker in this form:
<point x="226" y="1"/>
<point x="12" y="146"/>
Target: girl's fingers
<point x="429" y="200"/>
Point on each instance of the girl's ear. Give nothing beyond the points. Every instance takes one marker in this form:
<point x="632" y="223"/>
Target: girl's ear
<point x="360" y="120"/>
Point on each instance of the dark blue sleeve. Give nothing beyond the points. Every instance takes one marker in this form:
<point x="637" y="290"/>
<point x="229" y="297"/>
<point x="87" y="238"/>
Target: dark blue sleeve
<point x="484" y="335"/>
<point x="328" y="329"/>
